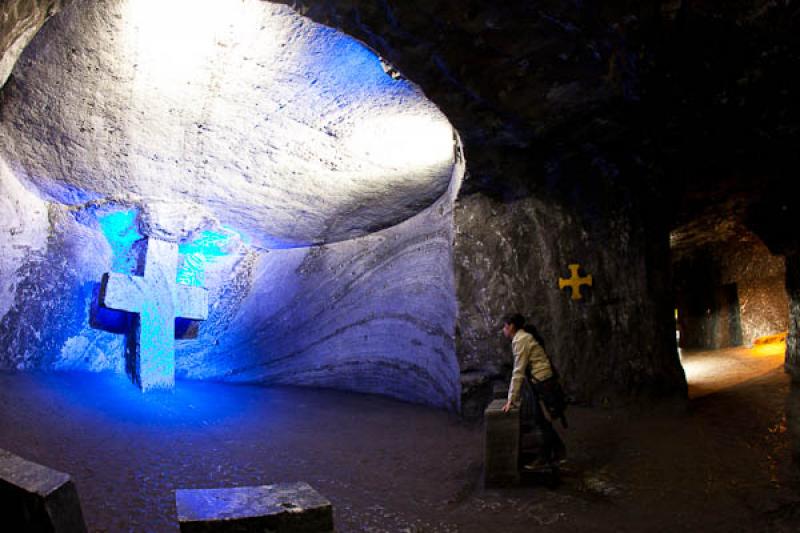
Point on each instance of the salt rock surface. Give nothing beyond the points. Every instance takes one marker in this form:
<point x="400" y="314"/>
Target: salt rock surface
<point x="246" y="121"/>
<point x="24" y="228"/>
<point x="236" y="113"/>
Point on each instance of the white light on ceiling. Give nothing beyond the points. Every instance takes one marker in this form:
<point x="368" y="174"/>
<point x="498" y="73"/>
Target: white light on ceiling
<point x="176" y="41"/>
<point x="402" y="140"/>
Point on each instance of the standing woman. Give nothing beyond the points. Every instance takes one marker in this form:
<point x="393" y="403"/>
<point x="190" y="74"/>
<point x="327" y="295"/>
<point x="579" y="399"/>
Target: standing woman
<point x="535" y="385"/>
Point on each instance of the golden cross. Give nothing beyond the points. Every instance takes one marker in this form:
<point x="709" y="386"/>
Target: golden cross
<point x="575" y="281"/>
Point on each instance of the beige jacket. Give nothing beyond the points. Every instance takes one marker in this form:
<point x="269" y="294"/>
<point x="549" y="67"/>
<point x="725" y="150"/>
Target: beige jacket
<point x="527" y="351"/>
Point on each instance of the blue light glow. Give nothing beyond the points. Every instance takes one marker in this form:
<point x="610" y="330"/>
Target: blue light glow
<point x="206" y="248"/>
<point x="354" y="62"/>
<point x="121" y="231"/>
<point x="190" y="405"/>
<point x="157" y="301"/>
<point x="352" y="67"/>
<point x="100" y="317"/>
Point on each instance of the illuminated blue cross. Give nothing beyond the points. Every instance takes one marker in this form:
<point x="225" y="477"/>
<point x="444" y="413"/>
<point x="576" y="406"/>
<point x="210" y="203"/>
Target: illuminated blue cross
<point x="158" y="299"/>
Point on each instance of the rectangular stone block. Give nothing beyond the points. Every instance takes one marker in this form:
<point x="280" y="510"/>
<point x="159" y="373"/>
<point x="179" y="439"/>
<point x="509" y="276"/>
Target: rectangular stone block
<point x="37" y="499"/>
<point x="283" y="507"/>
<point x="501" y="446"/>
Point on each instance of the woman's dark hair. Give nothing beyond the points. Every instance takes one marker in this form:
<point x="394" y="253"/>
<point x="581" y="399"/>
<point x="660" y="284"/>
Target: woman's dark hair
<point x="530" y="328"/>
<point x="516" y="320"/>
<point x="519" y="323"/>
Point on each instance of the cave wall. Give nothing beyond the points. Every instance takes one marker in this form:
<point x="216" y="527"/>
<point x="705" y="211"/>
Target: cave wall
<point x="773" y="219"/>
<point x="108" y="101"/>
<point x="555" y="175"/>
<point x="761" y="280"/>
<point x="559" y="171"/>
<point x="586" y="123"/>
<point x="24" y="230"/>
<point x="46" y="323"/>
<point x="706" y="312"/>
<point x="607" y="344"/>
<point x="793" y="338"/>
<point x="374" y="314"/>
<point x="373" y="310"/>
<point x="20" y="20"/>
<point x="730" y="293"/>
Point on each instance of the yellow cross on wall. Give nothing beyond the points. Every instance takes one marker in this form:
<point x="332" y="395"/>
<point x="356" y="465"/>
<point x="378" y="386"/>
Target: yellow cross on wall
<point x="575" y="281"/>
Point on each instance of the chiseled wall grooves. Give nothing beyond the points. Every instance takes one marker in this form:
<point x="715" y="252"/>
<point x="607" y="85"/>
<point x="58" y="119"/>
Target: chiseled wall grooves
<point x="374" y="314"/>
<point x="47" y="324"/>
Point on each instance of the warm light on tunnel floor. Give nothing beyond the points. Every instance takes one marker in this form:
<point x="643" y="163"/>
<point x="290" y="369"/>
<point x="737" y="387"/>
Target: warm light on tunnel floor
<point x="711" y="371"/>
<point x="769" y="350"/>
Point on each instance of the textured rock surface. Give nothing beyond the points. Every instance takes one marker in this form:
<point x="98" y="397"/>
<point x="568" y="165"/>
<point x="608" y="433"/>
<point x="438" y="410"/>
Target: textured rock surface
<point x="47" y="323"/>
<point x="761" y="280"/>
<point x="558" y="172"/>
<point x="24" y="228"/>
<point x="375" y="313"/>
<point x="737" y="276"/>
<point x="19" y="22"/>
<point x="606" y="343"/>
<point x="36" y="498"/>
<point x="774" y="220"/>
<point x="629" y="118"/>
<point x="793" y="338"/>
<point x="284" y="507"/>
<point x="246" y="114"/>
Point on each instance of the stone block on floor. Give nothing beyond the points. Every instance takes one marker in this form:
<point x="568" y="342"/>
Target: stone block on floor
<point x="279" y="508"/>
<point x="501" y="446"/>
<point x="35" y="498"/>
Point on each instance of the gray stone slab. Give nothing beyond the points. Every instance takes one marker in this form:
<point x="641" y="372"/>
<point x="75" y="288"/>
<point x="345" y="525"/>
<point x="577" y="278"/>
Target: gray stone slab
<point x="34" y="498"/>
<point x="501" y="446"/>
<point x="282" y="507"/>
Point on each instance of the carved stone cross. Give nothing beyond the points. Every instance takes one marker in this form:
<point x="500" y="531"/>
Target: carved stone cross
<point x="158" y="299"/>
<point x="575" y="282"/>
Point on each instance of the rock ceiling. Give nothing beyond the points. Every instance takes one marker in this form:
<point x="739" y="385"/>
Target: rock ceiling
<point x="245" y="115"/>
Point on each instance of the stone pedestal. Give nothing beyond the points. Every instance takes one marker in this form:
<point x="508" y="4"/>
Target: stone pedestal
<point x="34" y="498"/>
<point x="501" y="446"/>
<point x="284" y="508"/>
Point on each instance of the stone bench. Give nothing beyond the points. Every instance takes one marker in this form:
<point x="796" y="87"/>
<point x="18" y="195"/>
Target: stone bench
<point x="34" y="498"/>
<point x="283" y="507"/>
<point x="501" y="445"/>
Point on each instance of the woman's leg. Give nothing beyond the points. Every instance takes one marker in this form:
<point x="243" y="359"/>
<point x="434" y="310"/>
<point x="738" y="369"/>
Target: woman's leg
<point x="553" y="448"/>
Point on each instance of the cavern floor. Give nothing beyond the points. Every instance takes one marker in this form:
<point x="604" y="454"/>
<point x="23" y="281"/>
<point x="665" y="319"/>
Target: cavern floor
<point x="723" y="464"/>
<point x="712" y="371"/>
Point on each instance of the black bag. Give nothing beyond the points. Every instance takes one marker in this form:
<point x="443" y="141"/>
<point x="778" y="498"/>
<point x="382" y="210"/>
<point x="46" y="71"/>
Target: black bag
<point x="552" y="396"/>
<point x="549" y="391"/>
